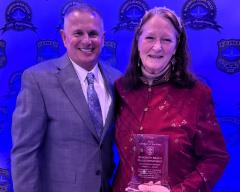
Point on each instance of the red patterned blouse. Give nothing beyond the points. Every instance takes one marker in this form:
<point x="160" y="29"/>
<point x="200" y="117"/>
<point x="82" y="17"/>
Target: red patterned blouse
<point x="197" y="154"/>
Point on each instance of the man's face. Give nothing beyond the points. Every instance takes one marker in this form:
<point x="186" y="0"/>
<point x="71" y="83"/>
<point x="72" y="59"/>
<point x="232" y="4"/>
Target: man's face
<point x="83" y="37"/>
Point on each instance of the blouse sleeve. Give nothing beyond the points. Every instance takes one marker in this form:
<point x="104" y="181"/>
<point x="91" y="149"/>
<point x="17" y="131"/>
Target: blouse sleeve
<point x="209" y="149"/>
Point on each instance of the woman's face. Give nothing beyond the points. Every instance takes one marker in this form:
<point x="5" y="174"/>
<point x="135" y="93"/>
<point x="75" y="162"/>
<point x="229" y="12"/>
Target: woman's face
<point x="157" y="44"/>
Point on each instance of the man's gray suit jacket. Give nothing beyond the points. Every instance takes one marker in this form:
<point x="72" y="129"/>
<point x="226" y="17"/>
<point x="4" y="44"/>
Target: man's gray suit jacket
<point x="55" y="145"/>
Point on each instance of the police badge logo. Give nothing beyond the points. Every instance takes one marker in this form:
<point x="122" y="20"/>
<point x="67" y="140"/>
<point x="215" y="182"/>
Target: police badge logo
<point x="3" y="119"/>
<point x="3" y="57"/>
<point x="4" y="180"/>
<point x="200" y="14"/>
<point x="130" y="15"/>
<point x="47" y="49"/>
<point x="108" y="54"/>
<point x="228" y="59"/>
<point x="14" y="84"/>
<point x="18" y="17"/>
<point x="65" y="8"/>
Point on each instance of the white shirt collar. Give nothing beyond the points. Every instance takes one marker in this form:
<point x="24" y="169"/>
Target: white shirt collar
<point x="82" y="73"/>
<point x="102" y="92"/>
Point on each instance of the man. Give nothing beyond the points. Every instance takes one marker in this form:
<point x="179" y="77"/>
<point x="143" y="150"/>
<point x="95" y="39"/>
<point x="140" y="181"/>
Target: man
<point x="57" y="143"/>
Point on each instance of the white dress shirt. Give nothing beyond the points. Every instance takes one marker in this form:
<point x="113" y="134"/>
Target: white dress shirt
<point x="103" y="96"/>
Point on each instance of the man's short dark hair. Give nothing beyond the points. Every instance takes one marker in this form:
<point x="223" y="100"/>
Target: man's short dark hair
<point x="83" y="8"/>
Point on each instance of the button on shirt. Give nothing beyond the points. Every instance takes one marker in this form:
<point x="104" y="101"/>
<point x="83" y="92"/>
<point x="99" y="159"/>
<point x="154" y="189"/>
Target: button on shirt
<point x="103" y="95"/>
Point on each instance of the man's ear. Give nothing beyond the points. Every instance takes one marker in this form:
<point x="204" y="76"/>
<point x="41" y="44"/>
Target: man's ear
<point x="63" y="36"/>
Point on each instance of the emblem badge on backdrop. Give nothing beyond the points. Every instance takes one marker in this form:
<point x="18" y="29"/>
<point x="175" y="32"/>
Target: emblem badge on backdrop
<point x="14" y="84"/>
<point x="3" y="56"/>
<point x="47" y="49"/>
<point x="4" y="180"/>
<point x="130" y="14"/>
<point x="3" y="119"/>
<point x="228" y="59"/>
<point x="65" y="8"/>
<point x="108" y="54"/>
<point x="18" y="16"/>
<point x="200" y="14"/>
<point x="232" y="129"/>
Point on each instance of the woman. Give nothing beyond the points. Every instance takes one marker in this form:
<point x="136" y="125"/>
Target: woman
<point x="158" y="96"/>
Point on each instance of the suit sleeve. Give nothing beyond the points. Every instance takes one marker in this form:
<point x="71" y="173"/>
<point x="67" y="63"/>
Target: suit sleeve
<point x="209" y="148"/>
<point x="28" y="129"/>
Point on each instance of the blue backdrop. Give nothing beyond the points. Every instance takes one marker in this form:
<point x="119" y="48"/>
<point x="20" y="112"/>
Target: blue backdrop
<point x="29" y="33"/>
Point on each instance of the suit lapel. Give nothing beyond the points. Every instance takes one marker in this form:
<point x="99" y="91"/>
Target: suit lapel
<point x="71" y="86"/>
<point x="109" y="86"/>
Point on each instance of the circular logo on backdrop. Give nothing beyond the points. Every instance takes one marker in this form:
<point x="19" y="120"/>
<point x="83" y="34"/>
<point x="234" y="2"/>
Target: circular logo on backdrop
<point x="200" y="14"/>
<point x="108" y="54"/>
<point x="228" y="59"/>
<point x="18" y="17"/>
<point x="47" y="49"/>
<point x="130" y="14"/>
<point x="3" y="57"/>
<point x="65" y="8"/>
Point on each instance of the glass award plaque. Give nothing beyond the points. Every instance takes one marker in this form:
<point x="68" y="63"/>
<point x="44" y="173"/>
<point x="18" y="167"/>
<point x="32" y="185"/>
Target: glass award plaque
<point x="150" y="160"/>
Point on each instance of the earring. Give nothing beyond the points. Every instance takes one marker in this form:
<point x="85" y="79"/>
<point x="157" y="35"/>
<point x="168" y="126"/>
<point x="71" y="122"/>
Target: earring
<point x="173" y="62"/>
<point x="138" y="64"/>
